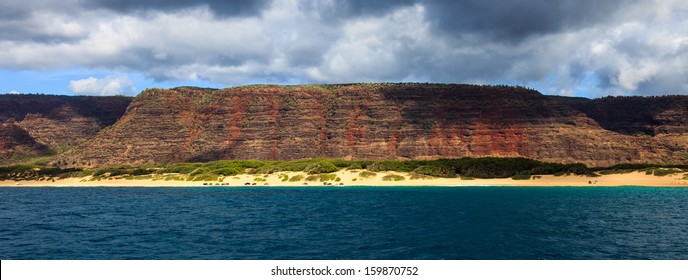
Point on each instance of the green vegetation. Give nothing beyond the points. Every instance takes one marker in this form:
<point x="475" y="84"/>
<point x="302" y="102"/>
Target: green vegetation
<point x="615" y="171"/>
<point x="435" y="171"/>
<point x="296" y="178"/>
<point x="661" y="172"/>
<point x="521" y="177"/>
<point x="416" y="176"/>
<point x="322" y="169"/>
<point x="328" y="177"/>
<point x="393" y="177"/>
<point x="204" y="177"/>
<point x="317" y="177"/>
<point x="35" y="172"/>
<point x="355" y="166"/>
<point x="183" y="168"/>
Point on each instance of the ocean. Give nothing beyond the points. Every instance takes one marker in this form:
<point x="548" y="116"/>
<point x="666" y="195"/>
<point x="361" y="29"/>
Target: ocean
<point x="344" y="223"/>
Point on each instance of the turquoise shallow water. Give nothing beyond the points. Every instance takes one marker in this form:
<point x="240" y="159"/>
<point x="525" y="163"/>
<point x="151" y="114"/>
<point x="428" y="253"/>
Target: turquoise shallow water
<point x="344" y="223"/>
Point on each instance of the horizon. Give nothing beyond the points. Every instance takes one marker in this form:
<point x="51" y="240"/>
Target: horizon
<point x="584" y="49"/>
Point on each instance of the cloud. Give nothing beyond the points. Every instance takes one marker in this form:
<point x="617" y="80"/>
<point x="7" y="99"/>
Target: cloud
<point x="561" y="47"/>
<point x="218" y="7"/>
<point x="514" y="21"/>
<point x="13" y="92"/>
<point x="102" y="87"/>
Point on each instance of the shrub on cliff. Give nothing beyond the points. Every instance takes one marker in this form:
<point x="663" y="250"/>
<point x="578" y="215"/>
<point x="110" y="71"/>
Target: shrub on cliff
<point x="321" y="167"/>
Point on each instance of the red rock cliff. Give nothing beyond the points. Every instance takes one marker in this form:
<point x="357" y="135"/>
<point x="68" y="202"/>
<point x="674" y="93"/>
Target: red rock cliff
<point x="364" y="121"/>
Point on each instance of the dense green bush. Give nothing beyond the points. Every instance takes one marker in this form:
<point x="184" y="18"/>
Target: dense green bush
<point x="435" y="171"/>
<point x="321" y="167"/>
<point x="399" y="166"/>
<point x="355" y="166"/>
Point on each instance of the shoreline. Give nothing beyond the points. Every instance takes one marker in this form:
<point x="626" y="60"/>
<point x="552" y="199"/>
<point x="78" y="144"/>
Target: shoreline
<point x="353" y="178"/>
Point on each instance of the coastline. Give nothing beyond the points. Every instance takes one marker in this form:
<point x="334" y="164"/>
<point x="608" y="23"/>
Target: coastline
<point x="353" y="178"/>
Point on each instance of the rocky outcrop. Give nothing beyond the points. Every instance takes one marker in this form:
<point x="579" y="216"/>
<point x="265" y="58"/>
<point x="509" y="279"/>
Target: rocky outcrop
<point x="376" y="121"/>
<point x="36" y="125"/>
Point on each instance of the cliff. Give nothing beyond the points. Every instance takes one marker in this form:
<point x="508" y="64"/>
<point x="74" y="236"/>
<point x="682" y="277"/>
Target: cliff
<point x="38" y="125"/>
<point x="385" y="121"/>
<point x="635" y="115"/>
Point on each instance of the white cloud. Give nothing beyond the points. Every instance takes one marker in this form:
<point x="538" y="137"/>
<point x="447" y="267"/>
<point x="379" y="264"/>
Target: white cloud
<point x="387" y="48"/>
<point x="13" y="92"/>
<point x="105" y="86"/>
<point x="641" y="48"/>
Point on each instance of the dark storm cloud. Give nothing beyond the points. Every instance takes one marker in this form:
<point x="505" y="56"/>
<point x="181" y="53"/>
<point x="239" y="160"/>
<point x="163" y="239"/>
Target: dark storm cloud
<point x="517" y="20"/>
<point x="218" y="7"/>
<point x="10" y="11"/>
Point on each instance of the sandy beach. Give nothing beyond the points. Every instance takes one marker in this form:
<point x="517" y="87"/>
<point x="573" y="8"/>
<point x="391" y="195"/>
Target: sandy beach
<point x="353" y="178"/>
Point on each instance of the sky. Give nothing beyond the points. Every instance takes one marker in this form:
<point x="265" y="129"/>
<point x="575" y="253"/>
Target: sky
<point x="586" y="48"/>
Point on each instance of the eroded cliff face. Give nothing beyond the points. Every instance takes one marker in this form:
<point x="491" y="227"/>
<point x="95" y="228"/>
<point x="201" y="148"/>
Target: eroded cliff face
<point x="652" y="116"/>
<point x="15" y="142"/>
<point x="365" y="121"/>
<point x="37" y="125"/>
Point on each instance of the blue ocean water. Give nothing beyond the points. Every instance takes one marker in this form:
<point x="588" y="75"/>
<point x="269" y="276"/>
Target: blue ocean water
<point x="344" y="223"/>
